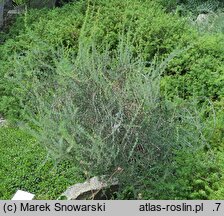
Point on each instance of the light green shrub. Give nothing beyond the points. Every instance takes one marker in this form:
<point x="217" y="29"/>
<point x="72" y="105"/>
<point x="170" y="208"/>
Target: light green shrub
<point x="197" y="72"/>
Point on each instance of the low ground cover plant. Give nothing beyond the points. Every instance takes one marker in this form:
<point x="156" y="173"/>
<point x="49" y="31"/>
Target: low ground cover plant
<point x="25" y="165"/>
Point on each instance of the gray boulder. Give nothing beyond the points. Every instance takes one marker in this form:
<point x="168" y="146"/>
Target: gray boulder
<point x="1" y="13"/>
<point x="96" y="188"/>
<point x="17" y="10"/>
<point x="38" y="4"/>
<point x="8" y="4"/>
<point x="202" y="19"/>
<point x="5" y="6"/>
<point x="2" y="122"/>
<point x="7" y="9"/>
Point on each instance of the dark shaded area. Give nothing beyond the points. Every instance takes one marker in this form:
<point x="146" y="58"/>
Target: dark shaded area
<point x="60" y="3"/>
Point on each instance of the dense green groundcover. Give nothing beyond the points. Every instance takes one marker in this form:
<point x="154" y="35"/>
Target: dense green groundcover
<point x="25" y="166"/>
<point x="109" y="83"/>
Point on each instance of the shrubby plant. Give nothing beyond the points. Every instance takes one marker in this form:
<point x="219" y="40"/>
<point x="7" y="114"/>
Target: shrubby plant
<point x="198" y="72"/>
<point x="104" y="112"/>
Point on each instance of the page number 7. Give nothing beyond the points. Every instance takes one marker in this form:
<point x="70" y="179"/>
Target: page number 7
<point x="217" y="206"/>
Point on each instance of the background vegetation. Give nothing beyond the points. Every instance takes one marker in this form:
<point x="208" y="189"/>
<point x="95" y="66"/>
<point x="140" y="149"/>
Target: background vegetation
<point x="115" y="85"/>
<point x="25" y="166"/>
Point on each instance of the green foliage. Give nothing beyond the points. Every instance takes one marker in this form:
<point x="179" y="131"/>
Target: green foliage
<point x="187" y="177"/>
<point x="193" y="7"/>
<point x="26" y="166"/>
<point x="197" y="72"/>
<point x="30" y="42"/>
<point x="150" y="29"/>
<point x="169" y="5"/>
<point x="20" y="2"/>
<point x="214" y="129"/>
<point x="218" y="194"/>
<point x="201" y="6"/>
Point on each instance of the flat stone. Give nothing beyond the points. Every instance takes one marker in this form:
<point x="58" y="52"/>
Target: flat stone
<point x="96" y="188"/>
<point x="14" y="12"/>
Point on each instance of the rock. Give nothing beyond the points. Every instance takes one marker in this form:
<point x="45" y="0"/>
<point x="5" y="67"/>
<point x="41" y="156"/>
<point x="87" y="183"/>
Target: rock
<point x="202" y="19"/>
<point x="38" y="4"/>
<point x="17" y="10"/>
<point x="7" y="11"/>
<point x="1" y="13"/>
<point x="2" y="122"/>
<point x="13" y="12"/>
<point x="96" y="188"/>
<point x="5" y="6"/>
